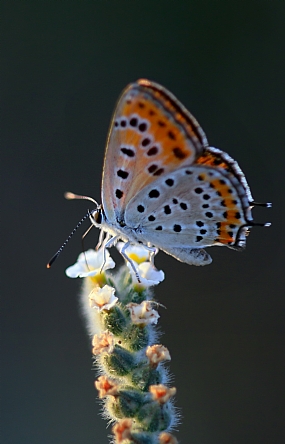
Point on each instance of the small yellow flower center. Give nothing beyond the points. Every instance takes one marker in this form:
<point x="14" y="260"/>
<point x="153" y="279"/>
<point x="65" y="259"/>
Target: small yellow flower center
<point x="98" y="279"/>
<point x="139" y="260"/>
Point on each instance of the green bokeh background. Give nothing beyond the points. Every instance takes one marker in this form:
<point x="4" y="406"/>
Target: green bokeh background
<point x="63" y="65"/>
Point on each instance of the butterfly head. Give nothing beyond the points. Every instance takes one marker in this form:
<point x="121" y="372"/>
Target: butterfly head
<point x="97" y="216"/>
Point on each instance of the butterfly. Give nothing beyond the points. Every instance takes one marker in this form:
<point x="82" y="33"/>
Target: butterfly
<point x="163" y="186"/>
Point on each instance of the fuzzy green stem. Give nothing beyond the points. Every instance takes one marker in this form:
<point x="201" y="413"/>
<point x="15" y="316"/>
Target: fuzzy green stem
<point x="133" y="381"/>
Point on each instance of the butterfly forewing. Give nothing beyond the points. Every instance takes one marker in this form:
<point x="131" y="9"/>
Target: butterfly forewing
<point x="195" y="206"/>
<point x="151" y="135"/>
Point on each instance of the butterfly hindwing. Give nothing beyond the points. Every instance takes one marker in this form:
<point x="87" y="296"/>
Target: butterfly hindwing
<point x="191" y="256"/>
<point x="151" y="135"/>
<point x="219" y="159"/>
<point x="193" y="207"/>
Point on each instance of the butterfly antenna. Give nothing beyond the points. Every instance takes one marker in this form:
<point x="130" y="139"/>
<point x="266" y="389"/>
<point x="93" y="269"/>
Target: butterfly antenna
<point x="49" y="264"/>
<point x="70" y="196"/>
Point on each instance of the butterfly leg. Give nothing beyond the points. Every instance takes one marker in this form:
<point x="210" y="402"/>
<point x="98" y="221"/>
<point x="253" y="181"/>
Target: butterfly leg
<point x="100" y="240"/>
<point x="105" y="245"/>
<point x="152" y="253"/>
<point x="125" y="246"/>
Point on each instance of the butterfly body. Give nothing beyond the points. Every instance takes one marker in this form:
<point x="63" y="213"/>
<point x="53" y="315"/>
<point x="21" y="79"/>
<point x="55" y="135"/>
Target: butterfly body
<point x="163" y="186"/>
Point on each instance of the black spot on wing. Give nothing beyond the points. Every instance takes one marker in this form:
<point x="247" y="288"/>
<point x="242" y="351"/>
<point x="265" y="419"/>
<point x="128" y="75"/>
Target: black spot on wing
<point x="128" y="152"/>
<point x="171" y="135"/>
<point x="152" y="151"/>
<point x="169" y="182"/>
<point x="119" y="193"/>
<point x="179" y="153"/>
<point x="146" y="141"/>
<point x="133" y="121"/>
<point x="140" y="208"/>
<point x="122" y="174"/>
<point x="153" y="194"/>
<point x="142" y="127"/>
<point x="152" y="168"/>
<point x="158" y="172"/>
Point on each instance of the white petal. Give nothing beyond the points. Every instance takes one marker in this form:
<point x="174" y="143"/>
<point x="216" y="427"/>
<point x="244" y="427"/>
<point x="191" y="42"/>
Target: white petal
<point x="89" y="264"/>
<point x="148" y="272"/>
<point x="74" y="271"/>
<point x="149" y="276"/>
<point x="138" y="251"/>
<point x="95" y="259"/>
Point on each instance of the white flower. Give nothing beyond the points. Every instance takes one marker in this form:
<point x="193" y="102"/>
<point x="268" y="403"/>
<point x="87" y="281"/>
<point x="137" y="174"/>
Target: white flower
<point x="143" y="313"/>
<point x="90" y="263"/>
<point x="139" y="255"/>
<point x="136" y="253"/>
<point x="149" y="276"/>
<point x="102" y="298"/>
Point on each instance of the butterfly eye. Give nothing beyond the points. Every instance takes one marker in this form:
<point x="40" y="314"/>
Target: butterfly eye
<point x="98" y="217"/>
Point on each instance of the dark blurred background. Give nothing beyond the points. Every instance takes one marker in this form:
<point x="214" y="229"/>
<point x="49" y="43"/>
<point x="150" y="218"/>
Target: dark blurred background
<point x="63" y="65"/>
